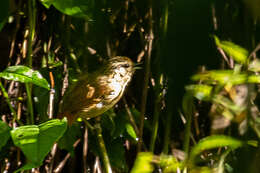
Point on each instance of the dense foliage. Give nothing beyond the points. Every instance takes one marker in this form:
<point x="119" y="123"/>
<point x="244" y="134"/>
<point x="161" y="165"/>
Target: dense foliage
<point x="191" y="107"/>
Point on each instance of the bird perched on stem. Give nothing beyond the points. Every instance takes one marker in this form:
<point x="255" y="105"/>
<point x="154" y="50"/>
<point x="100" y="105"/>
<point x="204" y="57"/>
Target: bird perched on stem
<point x="95" y="93"/>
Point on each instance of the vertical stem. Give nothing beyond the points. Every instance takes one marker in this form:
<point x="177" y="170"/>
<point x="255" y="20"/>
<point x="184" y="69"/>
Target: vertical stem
<point x="32" y="19"/>
<point x="85" y="150"/>
<point x="158" y="75"/>
<point x="155" y="123"/>
<point x="29" y="103"/>
<point x="188" y="110"/>
<point x="167" y="132"/>
<point x="149" y="44"/>
<point x="103" y="150"/>
<point x="5" y="94"/>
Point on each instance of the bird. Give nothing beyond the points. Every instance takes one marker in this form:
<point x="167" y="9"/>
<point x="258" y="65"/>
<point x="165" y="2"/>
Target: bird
<point x="96" y="92"/>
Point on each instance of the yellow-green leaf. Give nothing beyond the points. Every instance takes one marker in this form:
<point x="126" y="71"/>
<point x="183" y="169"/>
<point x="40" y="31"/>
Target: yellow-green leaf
<point x="237" y="52"/>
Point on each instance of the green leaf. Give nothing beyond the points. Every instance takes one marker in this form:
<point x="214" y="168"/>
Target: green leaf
<point x="221" y="77"/>
<point x="4" y="134"/>
<point x="201" y="92"/>
<point x="24" y="74"/>
<point x="254" y="79"/>
<point x="254" y="65"/>
<point x="238" y="53"/>
<point x="212" y="142"/>
<point x="25" y="137"/>
<point x="170" y="164"/>
<point x="143" y="163"/>
<point x="37" y="140"/>
<point x="76" y="8"/>
<point x="130" y="130"/>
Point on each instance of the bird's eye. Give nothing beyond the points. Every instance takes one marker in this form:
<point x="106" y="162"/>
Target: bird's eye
<point x="125" y="65"/>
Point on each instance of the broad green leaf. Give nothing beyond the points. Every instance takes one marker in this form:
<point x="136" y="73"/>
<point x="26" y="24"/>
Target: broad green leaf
<point x="25" y="137"/>
<point x="201" y="92"/>
<point x="50" y="132"/>
<point x="130" y="130"/>
<point x="36" y="140"/>
<point x="221" y="77"/>
<point x="4" y="134"/>
<point x="76" y="8"/>
<point x="238" y="53"/>
<point x="24" y="74"/>
<point x="143" y="163"/>
<point x="212" y="142"/>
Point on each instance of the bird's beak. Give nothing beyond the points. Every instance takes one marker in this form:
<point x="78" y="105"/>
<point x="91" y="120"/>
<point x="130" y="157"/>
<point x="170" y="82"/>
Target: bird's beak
<point x="137" y="66"/>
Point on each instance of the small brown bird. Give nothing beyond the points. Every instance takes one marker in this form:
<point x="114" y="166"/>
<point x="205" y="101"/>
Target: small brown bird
<point x="95" y="93"/>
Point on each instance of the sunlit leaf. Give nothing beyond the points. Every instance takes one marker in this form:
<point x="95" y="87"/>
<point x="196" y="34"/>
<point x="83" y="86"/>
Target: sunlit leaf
<point x="221" y="77"/>
<point x="202" y="169"/>
<point x="253" y="143"/>
<point x="36" y="140"/>
<point x="24" y="74"/>
<point x="143" y="163"/>
<point x="254" y="79"/>
<point x="201" y="92"/>
<point x="130" y="130"/>
<point x="77" y="8"/>
<point x="214" y="141"/>
<point x="4" y="134"/>
<point x="169" y="164"/>
<point x="254" y="65"/>
<point x="238" y="53"/>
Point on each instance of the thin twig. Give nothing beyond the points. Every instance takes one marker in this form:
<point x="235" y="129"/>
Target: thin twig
<point x="63" y="162"/>
<point x="52" y="94"/>
<point x="253" y="53"/>
<point x="97" y="167"/>
<point x="130" y="116"/>
<point x="52" y="155"/>
<point x="85" y="150"/>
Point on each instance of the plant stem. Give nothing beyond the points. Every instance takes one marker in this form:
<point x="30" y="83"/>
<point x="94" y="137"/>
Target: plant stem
<point x="155" y="123"/>
<point x="188" y="110"/>
<point x="167" y="132"/>
<point x="29" y="102"/>
<point x="32" y="19"/>
<point x="5" y="94"/>
<point x="103" y="150"/>
<point x="148" y="47"/>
